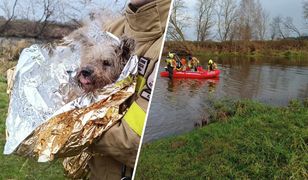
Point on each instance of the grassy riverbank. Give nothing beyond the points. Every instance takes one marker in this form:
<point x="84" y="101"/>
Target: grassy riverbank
<point x="279" y="48"/>
<point x="15" y="167"/>
<point x="245" y="139"/>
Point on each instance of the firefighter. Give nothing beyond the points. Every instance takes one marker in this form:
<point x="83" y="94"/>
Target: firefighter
<point x="116" y="150"/>
<point x="171" y="64"/>
<point x="194" y="63"/>
<point x="211" y="66"/>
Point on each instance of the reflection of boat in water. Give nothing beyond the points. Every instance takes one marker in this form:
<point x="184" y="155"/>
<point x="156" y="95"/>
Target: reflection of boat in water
<point x="200" y="74"/>
<point x="192" y="85"/>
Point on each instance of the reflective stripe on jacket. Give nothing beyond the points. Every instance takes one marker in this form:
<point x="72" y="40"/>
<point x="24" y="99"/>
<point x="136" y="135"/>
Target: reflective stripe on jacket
<point x="146" y="26"/>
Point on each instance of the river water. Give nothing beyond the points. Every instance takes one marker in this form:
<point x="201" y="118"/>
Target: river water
<point x="178" y="104"/>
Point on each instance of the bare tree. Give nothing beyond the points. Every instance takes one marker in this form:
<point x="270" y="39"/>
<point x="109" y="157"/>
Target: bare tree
<point x="49" y="10"/>
<point x="59" y="11"/>
<point x="305" y="8"/>
<point x="260" y="21"/>
<point x="177" y="22"/>
<point x="28" y="10"/>
<point x="245" y="23"/>
<point x="277" y="28"/>
<point x="226" y="16"/>
<point x="273" y="29"/>
<point x="205" y="21"/>
<point x="70" y="10"/>
<point x="39" y="14"/>
<point x="10" y="14"/>
<point x="252" y="22"/>
<point x="5" y="7"/>
<point x="290" y="27"/>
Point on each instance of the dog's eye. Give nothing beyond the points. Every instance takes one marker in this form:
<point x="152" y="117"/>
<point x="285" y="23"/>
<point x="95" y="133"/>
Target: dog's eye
<point x="106" y="63"/>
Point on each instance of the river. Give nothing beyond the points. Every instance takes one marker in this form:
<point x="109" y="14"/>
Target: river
<point x="179" y="104"/>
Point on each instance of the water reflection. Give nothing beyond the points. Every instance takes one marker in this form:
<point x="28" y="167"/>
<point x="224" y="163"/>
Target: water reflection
<point x="179" y="104"/>
<point x="177" y="84"/>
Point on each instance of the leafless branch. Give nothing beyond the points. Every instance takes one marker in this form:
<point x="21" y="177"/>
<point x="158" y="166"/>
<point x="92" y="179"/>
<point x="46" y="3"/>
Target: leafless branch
<point x="10" y="17"/>
<point x="177" y="22"/>
<point x="226" y="16"/>
<point x="288" y="24"/>
<point x="205" y="21"/>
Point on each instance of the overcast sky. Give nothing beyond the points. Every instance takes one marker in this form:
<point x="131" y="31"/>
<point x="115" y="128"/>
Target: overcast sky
<point x="71" y="6"/>
<point x="284" y="8"/>
<point x="292" y="8"/>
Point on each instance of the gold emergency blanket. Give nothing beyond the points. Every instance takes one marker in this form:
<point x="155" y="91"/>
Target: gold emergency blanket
<point x="70" y="133"/>
<point x="44" y="123"/>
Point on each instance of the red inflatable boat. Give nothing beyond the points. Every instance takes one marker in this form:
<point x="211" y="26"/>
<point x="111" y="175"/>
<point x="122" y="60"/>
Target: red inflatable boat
<point x="200" y="74"/>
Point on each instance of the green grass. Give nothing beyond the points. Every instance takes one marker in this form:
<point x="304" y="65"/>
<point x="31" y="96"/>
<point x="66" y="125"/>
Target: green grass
<point x="246" y="140"/>
<point x="15" y="167"/>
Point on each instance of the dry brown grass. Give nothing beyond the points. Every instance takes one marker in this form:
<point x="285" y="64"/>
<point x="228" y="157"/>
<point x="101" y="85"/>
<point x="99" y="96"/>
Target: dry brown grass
<point x="10" y="50"/>
<point x="239" y="47"/>
<point x="5" y="65"/>
<point x="29" y="29"/>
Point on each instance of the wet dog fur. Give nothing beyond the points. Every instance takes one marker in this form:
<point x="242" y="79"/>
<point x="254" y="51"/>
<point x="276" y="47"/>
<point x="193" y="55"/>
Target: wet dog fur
<point x="101" y="63"/>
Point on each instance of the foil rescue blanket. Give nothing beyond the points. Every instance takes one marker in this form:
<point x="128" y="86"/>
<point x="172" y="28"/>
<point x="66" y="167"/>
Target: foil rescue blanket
<point x="44" y="121"/>
<point x="71" y="132"/>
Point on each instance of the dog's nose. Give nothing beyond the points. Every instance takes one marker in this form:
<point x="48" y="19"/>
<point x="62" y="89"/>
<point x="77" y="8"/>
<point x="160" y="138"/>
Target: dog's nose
<point x="86" y="72"/>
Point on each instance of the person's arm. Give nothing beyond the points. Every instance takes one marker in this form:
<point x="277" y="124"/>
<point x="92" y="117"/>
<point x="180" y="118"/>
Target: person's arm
<point x="136" y="4"/>
<point x="122" y="140"/>
<point x="140" y="3"/>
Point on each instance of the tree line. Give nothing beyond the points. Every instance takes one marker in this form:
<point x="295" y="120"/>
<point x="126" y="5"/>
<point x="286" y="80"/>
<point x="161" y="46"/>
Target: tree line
<point x="228" y="20"/>
<point x="41" y="13"/>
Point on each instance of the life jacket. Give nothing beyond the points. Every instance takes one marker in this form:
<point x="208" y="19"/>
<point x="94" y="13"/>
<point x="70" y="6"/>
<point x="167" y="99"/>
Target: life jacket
<point x="183" y="61"/>
<point x="170" y="62"/>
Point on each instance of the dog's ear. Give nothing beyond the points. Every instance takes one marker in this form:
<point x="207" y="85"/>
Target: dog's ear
<point x="126" y="48"/>
<point x="79" y="35"/>
<point x="85" y="41"/>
